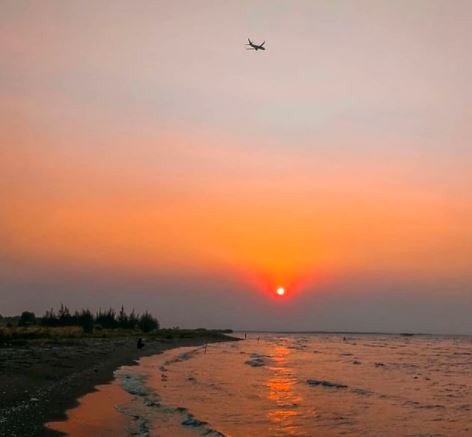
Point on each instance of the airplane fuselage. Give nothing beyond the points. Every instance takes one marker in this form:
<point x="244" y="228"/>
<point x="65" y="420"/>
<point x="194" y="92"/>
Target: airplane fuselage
<point x="255" y="47"/>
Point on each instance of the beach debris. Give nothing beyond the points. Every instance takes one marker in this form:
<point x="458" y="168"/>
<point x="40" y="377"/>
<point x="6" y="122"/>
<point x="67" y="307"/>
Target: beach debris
<point x="256" y="355"/>
<point x="213" y="433"/>
<point x="151" y="403"/>
<point x="288" y="405"/>
<point x="190" y="420"/>
<point x="255" y="362"/>
<point x="356" y="362"/>
<point x="379" y="364"/>
<point x="328" y="384"/>
<point x="361" y="391"/>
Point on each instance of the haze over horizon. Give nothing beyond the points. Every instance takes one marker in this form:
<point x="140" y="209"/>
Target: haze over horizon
<point x="149" y="160"/>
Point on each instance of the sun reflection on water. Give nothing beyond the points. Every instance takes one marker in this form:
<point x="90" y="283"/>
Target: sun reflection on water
<point x="281" y="392"/>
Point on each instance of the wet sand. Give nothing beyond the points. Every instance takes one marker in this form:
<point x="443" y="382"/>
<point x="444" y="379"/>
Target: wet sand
<point x="40" y="380"/>
<point x="97" y="414"/>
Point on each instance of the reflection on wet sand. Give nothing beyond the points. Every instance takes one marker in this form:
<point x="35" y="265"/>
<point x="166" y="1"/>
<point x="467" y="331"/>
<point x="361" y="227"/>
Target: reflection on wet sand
<point x="281" y="393"/>
<point x="97" y="414"/>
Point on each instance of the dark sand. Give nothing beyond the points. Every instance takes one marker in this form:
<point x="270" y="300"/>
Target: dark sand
<point x="40" y="380"/>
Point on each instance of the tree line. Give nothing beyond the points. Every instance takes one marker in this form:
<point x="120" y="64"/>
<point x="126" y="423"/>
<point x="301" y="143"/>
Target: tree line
<point x="102" y="319"/>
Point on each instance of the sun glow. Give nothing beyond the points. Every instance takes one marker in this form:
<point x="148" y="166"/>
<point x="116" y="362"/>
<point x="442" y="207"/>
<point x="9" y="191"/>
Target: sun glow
<point x="280" y="291"/>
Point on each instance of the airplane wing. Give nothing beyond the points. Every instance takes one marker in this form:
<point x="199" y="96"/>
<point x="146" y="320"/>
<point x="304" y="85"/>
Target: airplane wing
<point x="262" y="44"/>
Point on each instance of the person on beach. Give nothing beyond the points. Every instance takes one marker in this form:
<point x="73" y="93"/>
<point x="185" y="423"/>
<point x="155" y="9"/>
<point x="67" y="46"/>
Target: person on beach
<point x="140" y="343"/>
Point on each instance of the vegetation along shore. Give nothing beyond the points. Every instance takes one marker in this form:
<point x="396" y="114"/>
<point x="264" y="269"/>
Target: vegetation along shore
<point x="47" y="363"/>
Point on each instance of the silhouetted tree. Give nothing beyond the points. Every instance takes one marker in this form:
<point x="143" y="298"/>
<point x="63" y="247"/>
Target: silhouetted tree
<point x="122" y="319"/>
<point x="27" y="318"/>
<point x="106" y="319"/>
<point x="50" y="318"/>
<point x="64" y="316"/>
<point x="133" y="320"/>
<point x="84" y="319"/>
<point x="147" y="322"/>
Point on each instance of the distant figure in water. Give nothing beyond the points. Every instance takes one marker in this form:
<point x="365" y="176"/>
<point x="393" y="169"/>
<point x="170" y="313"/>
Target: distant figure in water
<point x="206" y="345"/>
<point x="245" y="335"/>
<point x="140" y="343"/>
<point x="258" y="339"/>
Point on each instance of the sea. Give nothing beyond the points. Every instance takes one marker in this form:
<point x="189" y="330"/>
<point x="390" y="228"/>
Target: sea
<point x="277" y="384"/>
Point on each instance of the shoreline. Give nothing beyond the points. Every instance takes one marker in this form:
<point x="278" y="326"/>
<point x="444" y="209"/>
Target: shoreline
<point x="41" y="380"/>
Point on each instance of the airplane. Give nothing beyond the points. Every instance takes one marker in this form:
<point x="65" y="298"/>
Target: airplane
<point x="255" y="46"/>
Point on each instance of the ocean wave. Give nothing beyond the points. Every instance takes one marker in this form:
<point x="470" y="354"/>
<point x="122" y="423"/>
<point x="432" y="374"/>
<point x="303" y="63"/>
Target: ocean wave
<point x="147" y="409"/>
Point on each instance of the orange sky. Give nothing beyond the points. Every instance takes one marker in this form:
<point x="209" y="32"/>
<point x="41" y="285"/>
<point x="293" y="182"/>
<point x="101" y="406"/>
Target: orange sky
<point x="275" y="216"/>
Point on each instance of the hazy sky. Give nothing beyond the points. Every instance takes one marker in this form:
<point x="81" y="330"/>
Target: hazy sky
<point x="148" y="159"/>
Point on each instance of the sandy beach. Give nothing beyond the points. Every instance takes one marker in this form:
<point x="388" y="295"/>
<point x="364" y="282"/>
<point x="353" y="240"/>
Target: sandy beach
<point x="41" y="379"/>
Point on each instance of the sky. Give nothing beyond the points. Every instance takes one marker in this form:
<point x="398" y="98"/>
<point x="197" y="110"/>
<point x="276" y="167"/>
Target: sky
<point x="148" y="160"/>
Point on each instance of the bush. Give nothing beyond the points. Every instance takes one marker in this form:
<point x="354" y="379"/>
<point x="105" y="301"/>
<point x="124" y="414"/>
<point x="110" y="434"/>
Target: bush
<point x="65" y="318"/>
<point x="27" y="318"/>
<point x="16" y="333"/>
<point x="50" y="319"/>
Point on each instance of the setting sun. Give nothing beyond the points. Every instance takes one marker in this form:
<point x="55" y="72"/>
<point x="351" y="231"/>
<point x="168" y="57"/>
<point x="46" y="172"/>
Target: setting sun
<point x="280" y="291"/>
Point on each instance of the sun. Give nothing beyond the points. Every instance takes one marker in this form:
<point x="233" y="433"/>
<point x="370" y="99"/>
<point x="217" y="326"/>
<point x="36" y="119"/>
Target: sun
<point x="280" y="291"/>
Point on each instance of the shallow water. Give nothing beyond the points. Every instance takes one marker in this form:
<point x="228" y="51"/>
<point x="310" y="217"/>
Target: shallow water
<point x="303" y="385"/>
